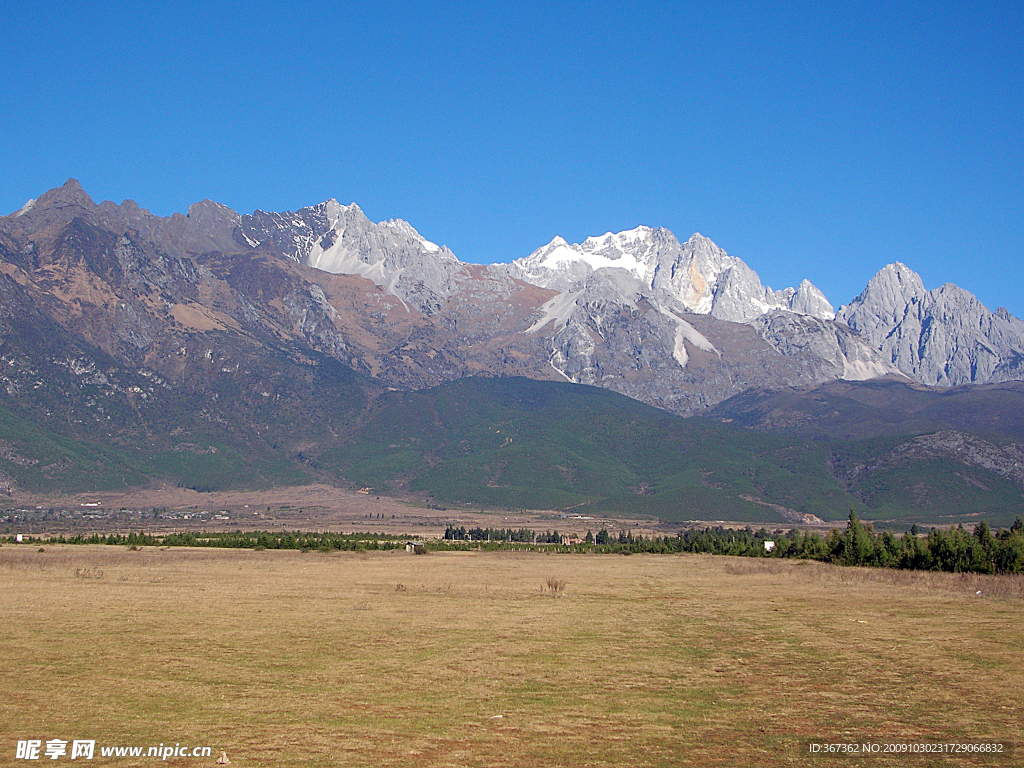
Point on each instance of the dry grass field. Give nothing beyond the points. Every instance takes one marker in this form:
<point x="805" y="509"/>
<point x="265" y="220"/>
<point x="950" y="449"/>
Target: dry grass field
<point x="283" y="658"/>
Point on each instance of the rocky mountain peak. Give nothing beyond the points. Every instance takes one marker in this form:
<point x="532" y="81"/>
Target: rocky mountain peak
<point x="698" y="242"/>
<point x="809" y="300"/>
<point x="208" y="212"/>
<point x="25" y="208"/>
<point x="332" y="211"/>
<point x="340" y="239"/>
<point x="894" y="285"/>
<point x="665" y="321"/>
<point x="405" y="229"/>
<point x="698" y="275"/>
<point x="69" y="195"/>
<point x="944" y="336"/>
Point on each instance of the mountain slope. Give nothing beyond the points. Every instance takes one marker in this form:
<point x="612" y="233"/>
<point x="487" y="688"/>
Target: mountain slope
<point x="848" y="410"/>
<point x="522" y="443"/>
<point x="905" y="449"/>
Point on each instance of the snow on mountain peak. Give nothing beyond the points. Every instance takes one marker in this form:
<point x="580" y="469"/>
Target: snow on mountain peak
<point x="629" y="250"/>
<point x="697" y="277"/>
<point x="698" y="274"/>
<point x="620" y="240"/>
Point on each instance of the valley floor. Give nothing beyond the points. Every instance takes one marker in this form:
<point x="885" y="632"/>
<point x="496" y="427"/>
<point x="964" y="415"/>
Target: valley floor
<point x="307" y="508"/>
<point x="286" y="658"/>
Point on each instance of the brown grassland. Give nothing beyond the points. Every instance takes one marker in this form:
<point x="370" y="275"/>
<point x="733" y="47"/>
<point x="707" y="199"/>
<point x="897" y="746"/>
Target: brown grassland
<point x="284" y="658"/>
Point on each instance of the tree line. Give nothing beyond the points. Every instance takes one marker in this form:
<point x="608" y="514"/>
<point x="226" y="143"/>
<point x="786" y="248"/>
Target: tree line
<point x="239" y="540"/>
<point x="982" y="550"/>
<point x="957" y="550"/>
<point x="523" y="535"/>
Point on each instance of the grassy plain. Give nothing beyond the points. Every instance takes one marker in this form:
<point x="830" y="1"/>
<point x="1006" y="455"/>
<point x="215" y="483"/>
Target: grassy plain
<point x="283" y="658"/>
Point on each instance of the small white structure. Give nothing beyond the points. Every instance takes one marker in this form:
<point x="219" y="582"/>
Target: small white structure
<point x="416" y="547"/>
<point x="19" y="538"/>
<point x="769" y="546"/>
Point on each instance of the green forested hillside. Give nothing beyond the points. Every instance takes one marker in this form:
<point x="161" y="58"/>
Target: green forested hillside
<point x="523" y="443"/>
<point x="497" y="442"/>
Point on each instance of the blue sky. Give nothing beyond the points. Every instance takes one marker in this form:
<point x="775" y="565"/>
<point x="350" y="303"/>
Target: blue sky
<point x="818" y="140"/>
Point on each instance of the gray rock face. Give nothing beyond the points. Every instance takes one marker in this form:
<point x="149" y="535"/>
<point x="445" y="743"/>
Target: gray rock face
<point x="620" y="339"/>
<point x="611" y="292"/>
<point x="833" y="351"/>
<point x="942" y="337"/>
<point x="340" y="239"/>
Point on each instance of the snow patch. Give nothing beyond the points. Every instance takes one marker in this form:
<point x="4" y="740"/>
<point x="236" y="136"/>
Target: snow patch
<point x="559" y="309"/>
<point x="26" y="208"/>
<point x="393" y="290"/>
<point x="340" y="261"/>
<point x="686" y="332"/>
<point x="627" y="250"/>
<point x="566" y="376"/>
<point x="565" y="254"/>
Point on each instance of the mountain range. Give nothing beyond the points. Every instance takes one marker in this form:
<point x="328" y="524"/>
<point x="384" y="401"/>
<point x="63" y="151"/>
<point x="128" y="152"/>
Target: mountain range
<point x="214" y="341"/>
<point x="680" y="325"/>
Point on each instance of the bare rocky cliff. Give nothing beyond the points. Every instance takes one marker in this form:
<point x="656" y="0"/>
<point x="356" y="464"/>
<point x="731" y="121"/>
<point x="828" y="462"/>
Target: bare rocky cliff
<point x="943" y="337"/>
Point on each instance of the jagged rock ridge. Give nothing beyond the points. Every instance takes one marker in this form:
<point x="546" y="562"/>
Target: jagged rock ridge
<point x="942" y="337"/>
<point x="680" y="325"/>
<point x="597" y="288"/>
<point x="702" y="277"/>
<point x="340" y="239"/>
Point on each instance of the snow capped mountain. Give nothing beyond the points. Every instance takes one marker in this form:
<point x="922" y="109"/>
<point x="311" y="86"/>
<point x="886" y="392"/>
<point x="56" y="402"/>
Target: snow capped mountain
<point x="603" y="278"/>
<point x="558" y="262"/>
<point x="680" y="325"/>
<point x="601" y="288"/>
<point x="944" y="336"/>
<point x="702" y="277"/>
<point x="619" y="308"/>
<point x="592" y="281"/>
<point x="628" y="303"/>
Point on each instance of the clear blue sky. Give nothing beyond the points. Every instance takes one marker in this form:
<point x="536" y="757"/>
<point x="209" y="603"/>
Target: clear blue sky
<point x="818" y="140"/>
